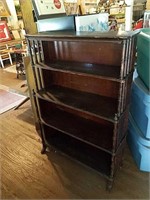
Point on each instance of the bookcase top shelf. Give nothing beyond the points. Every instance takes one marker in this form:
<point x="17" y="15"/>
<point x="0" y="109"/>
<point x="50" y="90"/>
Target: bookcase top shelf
<point x="84" y="35"/>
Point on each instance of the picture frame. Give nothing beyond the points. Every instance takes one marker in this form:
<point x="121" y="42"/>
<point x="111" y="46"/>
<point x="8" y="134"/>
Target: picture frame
<point x="92" y="22"/>
<point x="4" y="10"/>
<point x="48" y="8"/>
<point x="4" y="32"/>
<point x="71" y="7"/>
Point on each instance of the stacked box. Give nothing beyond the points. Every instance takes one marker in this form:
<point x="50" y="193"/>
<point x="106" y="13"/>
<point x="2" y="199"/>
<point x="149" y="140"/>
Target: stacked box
<point x="143" y="56"/>
<point x="139" y="146"/>
<point x="140" y="106"/>
<point x="139" y="124"/>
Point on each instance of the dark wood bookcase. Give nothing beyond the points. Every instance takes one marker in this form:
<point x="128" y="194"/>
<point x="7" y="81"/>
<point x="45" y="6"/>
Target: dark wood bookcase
<point x="82" y="95"/>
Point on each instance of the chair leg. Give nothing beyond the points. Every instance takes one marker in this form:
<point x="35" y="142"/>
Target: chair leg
<point x="2" y="64"/>
<point x="10" y="59"/>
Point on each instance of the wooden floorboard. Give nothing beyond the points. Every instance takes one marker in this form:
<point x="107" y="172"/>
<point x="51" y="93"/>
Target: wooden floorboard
<point x="10" y="80"/>
<point x="27" y="174"/>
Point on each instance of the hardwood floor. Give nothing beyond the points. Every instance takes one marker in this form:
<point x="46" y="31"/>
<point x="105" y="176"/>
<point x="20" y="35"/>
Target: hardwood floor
<point x="10" y="80"/>
<point x="27" y="174"/>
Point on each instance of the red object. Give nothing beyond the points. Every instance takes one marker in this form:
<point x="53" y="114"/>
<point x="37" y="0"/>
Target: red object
<point x="4" y="32"/>
<point x="57" y="4"/>
<point x="138" y="25"/>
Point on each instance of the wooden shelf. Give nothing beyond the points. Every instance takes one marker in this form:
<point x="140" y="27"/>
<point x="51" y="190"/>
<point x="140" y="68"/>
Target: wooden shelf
<point x="87" y="154"/>
<point x="101" y="106"/>
<point x="106" y="71"/>
<point x="57" y="117"/>
<point x="66" y="120"/>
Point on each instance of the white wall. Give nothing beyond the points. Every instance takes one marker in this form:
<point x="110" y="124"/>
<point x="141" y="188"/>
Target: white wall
<point x="12" y="20"/>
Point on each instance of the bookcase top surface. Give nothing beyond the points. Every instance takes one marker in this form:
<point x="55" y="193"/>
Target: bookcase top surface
<point x="84" y="35"/>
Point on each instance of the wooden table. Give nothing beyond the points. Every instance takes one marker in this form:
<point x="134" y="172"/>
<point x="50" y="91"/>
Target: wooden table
<point x="14" y="50"/>
<point x="12" y="43"/>
<point x="19" y="53"/>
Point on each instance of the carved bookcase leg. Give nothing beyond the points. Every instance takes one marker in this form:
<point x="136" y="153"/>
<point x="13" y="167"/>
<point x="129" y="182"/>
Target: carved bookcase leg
<point x="109" y="185"/>
<point x="43" y="151"/>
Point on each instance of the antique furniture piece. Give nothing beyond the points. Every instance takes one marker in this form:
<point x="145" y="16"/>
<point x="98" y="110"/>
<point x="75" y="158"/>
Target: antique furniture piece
<point x="7" y="48"/>
<point x="82" y="94"/>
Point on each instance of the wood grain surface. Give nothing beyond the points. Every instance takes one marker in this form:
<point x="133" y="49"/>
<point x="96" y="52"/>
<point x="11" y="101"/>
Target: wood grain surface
<point x="26" y="174"/>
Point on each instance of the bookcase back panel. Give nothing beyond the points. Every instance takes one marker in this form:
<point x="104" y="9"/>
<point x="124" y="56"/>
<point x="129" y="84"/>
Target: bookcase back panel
<point x="100" y="52"/>
<point x="82" y="82"/>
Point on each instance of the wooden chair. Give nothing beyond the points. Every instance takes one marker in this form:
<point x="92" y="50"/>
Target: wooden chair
<point x="4" y="55"/>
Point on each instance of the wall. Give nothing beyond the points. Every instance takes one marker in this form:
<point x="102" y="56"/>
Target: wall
<point x="148" y="5"/>
<point x="12" y="20"/>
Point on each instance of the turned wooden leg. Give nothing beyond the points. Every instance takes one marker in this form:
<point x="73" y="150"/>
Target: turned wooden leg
<point x="43" y="151"/>
<point x="109" y="185"/>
